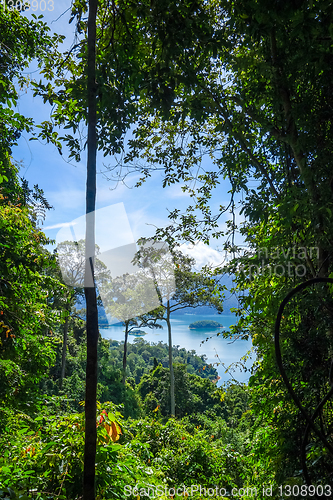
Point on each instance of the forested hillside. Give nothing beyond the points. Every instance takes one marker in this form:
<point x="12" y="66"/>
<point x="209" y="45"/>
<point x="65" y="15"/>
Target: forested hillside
<point x="233" y="102"/>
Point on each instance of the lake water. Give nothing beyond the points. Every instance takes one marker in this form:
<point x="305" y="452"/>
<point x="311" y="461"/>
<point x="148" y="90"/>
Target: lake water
<point x="228" y="351"/>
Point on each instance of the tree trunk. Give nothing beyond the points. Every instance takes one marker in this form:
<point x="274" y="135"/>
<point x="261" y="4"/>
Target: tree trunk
<point x="172" y="378"/>
<point x="125" y="353"/>
<point x="90" y="291"/>
<point x="64" y="348"/>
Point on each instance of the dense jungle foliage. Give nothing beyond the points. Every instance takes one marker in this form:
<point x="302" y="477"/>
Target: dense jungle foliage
<point x="41" y="417"/>
<point x="248" y="85"/>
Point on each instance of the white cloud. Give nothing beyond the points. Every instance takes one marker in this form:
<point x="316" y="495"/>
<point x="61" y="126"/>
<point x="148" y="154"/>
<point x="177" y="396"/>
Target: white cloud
<point x="203" y="254"/>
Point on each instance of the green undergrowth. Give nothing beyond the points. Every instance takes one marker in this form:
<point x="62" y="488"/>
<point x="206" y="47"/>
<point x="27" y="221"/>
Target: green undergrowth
<point x="42" y="455"/>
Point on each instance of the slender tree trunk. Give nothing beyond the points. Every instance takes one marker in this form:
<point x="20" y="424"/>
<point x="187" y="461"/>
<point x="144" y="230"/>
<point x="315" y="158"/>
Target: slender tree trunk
<point x="125" y="352"/>
<point x="90" y="291"/>
<point x="64" y="347"/>
<point x="172" y="378"/>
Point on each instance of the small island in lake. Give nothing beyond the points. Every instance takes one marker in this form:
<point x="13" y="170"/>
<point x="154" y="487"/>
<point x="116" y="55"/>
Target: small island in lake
<point x="205" y="324"/>
<point x="137" y="333"/>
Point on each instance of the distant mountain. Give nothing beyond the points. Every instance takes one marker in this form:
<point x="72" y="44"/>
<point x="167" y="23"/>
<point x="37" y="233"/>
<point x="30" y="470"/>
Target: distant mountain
<point x="102" y="319"/>
<point x="229" y="303"/>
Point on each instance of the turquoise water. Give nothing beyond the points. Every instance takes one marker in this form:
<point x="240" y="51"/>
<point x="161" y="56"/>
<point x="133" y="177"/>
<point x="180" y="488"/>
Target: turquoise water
<point x="228" y="351"/>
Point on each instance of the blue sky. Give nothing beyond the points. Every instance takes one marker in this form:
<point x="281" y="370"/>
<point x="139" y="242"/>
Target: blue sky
<point x="64" y="183"/>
